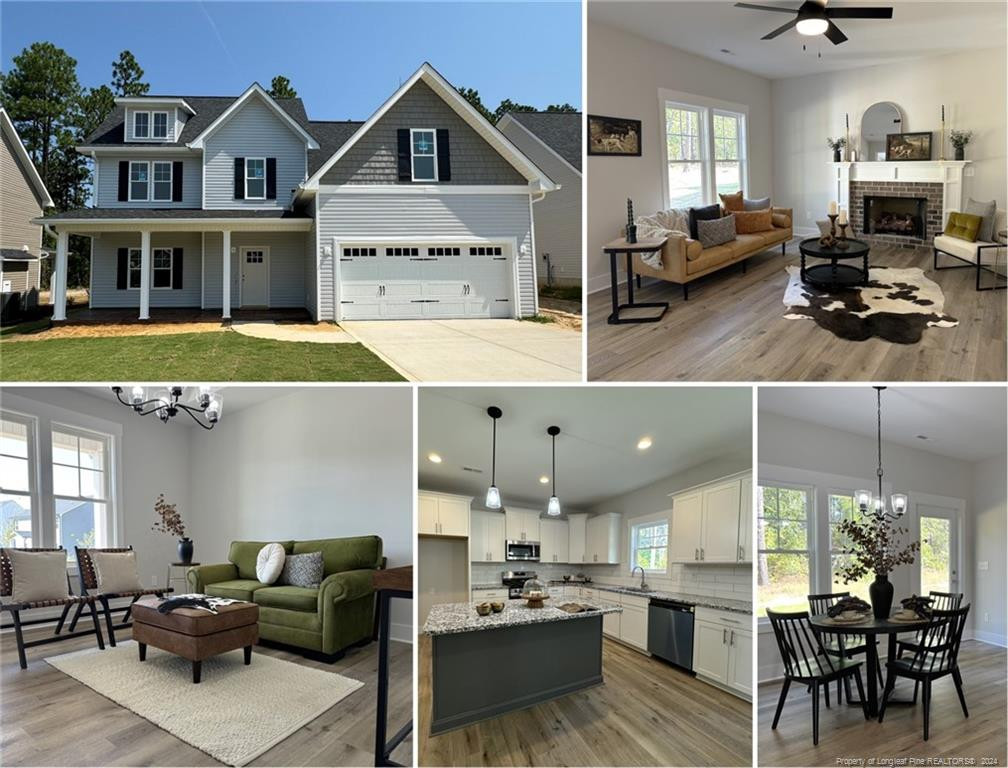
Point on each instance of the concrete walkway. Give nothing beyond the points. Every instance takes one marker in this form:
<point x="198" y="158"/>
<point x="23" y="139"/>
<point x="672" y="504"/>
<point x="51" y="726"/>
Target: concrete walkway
<point x="323" y="333"/>
<point x="472" y="350"/>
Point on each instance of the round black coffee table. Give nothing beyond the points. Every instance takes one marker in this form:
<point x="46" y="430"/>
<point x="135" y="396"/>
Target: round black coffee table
<point x="834" y="275"/>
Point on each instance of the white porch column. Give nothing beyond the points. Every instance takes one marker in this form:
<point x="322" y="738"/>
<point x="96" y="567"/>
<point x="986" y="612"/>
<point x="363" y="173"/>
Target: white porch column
<point x="226" y="275"/>
<point x="58" y="282"/>
<point x="145" y="274"/>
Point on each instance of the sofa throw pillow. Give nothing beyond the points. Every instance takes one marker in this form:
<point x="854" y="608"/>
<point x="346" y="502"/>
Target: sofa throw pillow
<point x="963" y="226"/>
<point x="38" y="575"/>
<point x="986" y="212"/>
<point x="303" y="570"/>
<point x="781" y="220"/>
<point x="115" y="571"/>
<point x="706" y="213"/>
<point x="717" y="231"/>
<point x="747" y="222"/>
<point x="755" y="205"/>
<point x="732" y="202"/>
<point x="270" y="563"/>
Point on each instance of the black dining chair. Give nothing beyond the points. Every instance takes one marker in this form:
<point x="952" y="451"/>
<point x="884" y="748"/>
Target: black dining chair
<point x="807" y="663"/>
<point x="942" y="601"/>
<point x="937" y="656"/>
<point x="841" y="646"/>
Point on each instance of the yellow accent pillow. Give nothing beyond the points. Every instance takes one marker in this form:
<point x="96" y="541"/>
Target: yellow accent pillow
<point x="747" y="222"/>
<point x="964" y="226"/>
<point x="733" y="203"/>
<point x="781" y="220"/>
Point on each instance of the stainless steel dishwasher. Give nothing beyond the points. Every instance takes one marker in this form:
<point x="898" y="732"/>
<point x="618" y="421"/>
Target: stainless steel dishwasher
<point x="670" y="632"/>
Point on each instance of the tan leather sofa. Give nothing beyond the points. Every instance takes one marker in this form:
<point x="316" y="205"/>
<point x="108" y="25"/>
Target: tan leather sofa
<point x="684" y="260"/>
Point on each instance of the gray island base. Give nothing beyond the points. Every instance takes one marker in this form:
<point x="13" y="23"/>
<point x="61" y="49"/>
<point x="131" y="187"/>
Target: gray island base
<point x="485" y="666"/>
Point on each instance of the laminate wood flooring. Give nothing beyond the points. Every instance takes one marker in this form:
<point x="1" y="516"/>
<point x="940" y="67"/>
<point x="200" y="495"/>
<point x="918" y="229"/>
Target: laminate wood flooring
<point x="51" y="719"/>
<point x="733" y="329"/>
<point x="646" y="713"/>
<point x="844" y="733"/>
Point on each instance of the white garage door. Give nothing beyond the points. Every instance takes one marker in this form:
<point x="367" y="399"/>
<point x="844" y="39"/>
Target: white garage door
<point x="398" y="282"/>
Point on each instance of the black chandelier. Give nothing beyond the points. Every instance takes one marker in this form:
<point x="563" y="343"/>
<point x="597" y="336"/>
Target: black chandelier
<point x="876" y="505"/>
<point x="166" y="402"/>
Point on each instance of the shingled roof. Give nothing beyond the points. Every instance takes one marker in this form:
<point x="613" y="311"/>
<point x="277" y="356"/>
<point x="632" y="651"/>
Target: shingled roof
<point x="560" y="131"/>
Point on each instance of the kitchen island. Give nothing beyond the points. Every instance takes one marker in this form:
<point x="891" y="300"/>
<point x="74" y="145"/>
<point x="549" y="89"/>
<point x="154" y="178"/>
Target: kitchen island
<point x="483" y="666"/>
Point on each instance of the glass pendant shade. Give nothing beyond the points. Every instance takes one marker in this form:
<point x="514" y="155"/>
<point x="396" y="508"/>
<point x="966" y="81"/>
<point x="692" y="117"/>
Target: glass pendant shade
<point x="214" y="408"/>
<point x="493" y="498"/>
<point x="553" y="508"/>
<point x="864" y="500"/>
<point x="204" y="396"/>
<point x="812" y="26"/>
<point x="137" y="396"/>
<point x="899" y="503"/>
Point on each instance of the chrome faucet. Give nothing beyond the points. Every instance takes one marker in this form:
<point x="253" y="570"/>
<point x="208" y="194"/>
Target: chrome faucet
<point x="643" y="586"/>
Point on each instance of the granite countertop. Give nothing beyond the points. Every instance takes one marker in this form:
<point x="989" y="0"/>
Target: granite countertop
<point x="704" y="601"/>
<point x="486" y="585"/>
<point x="453" y="618"/>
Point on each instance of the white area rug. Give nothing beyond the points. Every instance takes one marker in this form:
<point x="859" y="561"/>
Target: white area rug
<point x="234" y="715"/>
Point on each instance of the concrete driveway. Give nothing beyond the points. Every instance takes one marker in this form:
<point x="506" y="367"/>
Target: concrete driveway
<point x="472" y="350"/>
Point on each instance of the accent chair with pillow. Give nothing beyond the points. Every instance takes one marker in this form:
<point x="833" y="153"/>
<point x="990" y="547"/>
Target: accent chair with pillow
<point x="971" y="237"/>
<point x="323" y="599"/>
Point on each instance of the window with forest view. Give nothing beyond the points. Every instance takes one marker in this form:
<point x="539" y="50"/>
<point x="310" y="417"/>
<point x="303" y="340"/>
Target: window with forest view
<point x="705" y="149"/>
<point x="650" y="546"/>
<point x="686" y="156"/>
<point x="17" y="481"/>
<point x="729" y="152"/>
<point x="783" y="560"/>
<point x="842" y="506"/>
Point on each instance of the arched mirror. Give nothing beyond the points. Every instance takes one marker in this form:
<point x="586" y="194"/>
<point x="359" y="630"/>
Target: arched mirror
<point x="877" y="122"/>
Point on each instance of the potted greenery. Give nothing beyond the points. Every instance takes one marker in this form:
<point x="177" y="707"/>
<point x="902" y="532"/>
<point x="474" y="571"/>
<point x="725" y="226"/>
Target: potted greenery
<point x="959" y="140"/>
<point x="170" y="521"/>
<point x="875" y="548"/>
<point x="836" y="145"/>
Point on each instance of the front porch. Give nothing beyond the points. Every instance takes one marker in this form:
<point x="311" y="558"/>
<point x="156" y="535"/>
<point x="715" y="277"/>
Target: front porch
<point x="180" y="316"/>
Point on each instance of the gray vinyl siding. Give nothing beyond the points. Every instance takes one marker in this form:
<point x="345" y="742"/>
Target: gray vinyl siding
<point x="287" y="267"/>
<point x="557" y="217"/>
<point x="425" y="217"/>
<point x="20" y="203"/>
<point x="108" y="184"/>
<point x="310" y="271"/>
<point x="253" y="131"/>
<point x="213" y="272"/>
<point x="104" y="265"/>
<point x="18" y="274"/>
<point x="374" y="158"/>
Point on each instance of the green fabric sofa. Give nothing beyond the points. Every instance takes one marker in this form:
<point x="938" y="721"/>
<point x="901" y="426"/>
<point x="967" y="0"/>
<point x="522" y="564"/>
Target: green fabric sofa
<point x="338" y="614"/>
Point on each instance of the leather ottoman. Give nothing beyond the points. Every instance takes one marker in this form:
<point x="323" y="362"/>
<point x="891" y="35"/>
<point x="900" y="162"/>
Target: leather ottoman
<point x="195" y="634"/>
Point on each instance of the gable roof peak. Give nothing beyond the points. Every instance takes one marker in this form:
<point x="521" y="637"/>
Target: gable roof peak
<point x="254" y="90"/>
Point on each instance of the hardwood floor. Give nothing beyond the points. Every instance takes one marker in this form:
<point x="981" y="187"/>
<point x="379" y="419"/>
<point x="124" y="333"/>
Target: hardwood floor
<point x="844" y="733"/>
<point x="646" y="713"/>
<point x="733" y="329"/>
<point x="51" y="719"/>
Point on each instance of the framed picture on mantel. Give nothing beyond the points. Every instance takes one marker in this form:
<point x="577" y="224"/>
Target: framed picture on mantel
<point x="908" y="146"/>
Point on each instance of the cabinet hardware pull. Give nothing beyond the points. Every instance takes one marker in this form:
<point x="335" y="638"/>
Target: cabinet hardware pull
<point x="732" y="638"/>
<point x="696" y="554"/>
<point x="724" y="636"/>
<point x="701" y="553"/>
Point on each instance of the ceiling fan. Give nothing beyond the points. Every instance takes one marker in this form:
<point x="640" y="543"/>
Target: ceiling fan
<point x="814" y="18"/>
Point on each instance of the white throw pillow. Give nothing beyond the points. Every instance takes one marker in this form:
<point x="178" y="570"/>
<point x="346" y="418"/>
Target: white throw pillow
<point x="269" y="563"/>
<point x="38" y="575"/>
<point x="116" y="572"/>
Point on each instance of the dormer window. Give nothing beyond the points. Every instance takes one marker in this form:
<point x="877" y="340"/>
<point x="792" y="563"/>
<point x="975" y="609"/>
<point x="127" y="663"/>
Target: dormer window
<point x="424" y="154"/>
<point x="141" y="125"/>
<point x="160" y="125"/>
<point x="150" y="125"/>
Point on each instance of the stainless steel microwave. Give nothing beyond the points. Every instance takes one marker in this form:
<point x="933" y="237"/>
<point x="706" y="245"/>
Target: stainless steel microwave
<point x="523" y="550"/>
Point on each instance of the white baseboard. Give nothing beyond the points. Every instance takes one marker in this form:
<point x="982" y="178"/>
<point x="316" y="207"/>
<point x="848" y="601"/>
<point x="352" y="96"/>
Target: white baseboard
<point x="806" y="231"/>
<point x="991" y="638"/>
<point x="401" y="633"/>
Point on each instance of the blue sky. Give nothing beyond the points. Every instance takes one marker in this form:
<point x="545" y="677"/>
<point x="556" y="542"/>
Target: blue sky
<point x="344" y="59"/>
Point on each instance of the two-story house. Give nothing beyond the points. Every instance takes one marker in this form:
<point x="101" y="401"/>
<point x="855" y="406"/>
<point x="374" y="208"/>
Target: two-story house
<point x="424" y="210"/>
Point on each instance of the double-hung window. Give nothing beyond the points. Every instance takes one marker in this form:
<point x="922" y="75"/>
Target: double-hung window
<point x="649" y="546"/>
<point x="160" y="122"/>
<point x="686" y="155"/>
<point x="139" y="180"/>
<point x="255" y="178"/>
<point x="134" y="267"/>
<point x="729" y="151"/>
<point x="783" y="557"/>
<point x="141" y="125"/>
<point x="18" y="480"/>
<point x="162" y="265"/>
<point x="843" y="506"/>
<point x="80" y="487"/>
<point x="162" y="175"/>
<point x="424" y="154"/>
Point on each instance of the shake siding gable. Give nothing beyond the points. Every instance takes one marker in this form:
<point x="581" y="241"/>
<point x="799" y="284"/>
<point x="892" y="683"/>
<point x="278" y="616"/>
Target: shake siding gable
<point x="374" y="158"/>
<point x="108" y="183"/>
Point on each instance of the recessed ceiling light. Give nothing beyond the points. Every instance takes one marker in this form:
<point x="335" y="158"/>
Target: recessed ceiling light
<point x="922" y="437"/>
<point x="725" y="50"/>
<point x="433" y="457"/>
<point x="544" y="479"/>
<point x="644" y="443"/>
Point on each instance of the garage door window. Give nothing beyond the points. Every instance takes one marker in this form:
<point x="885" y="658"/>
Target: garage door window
<point x="402" y="251"/>
<point x="360" y="252"/>
<point x="424" y="152"/>
<point x="490" y="250"/>
<point x="450" y="251"/>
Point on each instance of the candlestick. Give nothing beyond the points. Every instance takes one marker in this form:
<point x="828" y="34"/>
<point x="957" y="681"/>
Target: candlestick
<point x="832" y="208"/>
<point x="842" y="217"/>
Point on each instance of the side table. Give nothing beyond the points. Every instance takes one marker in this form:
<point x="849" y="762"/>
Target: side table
<point x="614" y="249"/>
<point x="182" y="578"/>
<point x="391" y="583"/>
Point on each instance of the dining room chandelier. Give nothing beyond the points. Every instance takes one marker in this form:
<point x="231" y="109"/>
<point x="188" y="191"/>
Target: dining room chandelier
<point x="205" y="405"/>
<point x="875" y="505"/>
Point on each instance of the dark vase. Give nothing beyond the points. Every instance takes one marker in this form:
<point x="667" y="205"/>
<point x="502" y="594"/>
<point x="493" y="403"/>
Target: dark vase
<point x="836" y="155"/>
<point x="631" y="233"/>
<point x="881" y="593"/>
<point x="960" y="153"/>
<point x="185" y="553"/>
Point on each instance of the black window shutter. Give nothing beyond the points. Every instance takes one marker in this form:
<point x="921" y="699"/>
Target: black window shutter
<point x="405" y="171"/>
<point x="271" y="178"/>
<point x="176" y="181"/>
<point x="176" y="264"/>
<point x="123" y="181"/>
<point x="443" y="155"/>
<point x="122" y="269"/>
<point x="239" y="178"/>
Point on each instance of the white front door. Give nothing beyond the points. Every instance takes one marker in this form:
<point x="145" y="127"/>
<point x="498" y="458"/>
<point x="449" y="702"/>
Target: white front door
<point x="254" y="276"/>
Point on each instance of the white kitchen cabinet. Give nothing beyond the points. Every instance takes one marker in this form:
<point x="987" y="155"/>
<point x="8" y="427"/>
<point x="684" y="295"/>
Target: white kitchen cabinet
<point x="576" y="542"/>
<point x="427" y="525"/>
<point x="745" y="522"/>
<point x="710" y="650"/>
<point x="486" y="537"/>
<point x="553" y="542"/>
<point x="521" y="524"/>
<point x="722" y="649"/>
<point x="603" y="538"/>
<point x="687" y="524"/>
<point x="588" y="594"/>
<point x="721" y="505"/>
<point x="711" y="523"/>
<point x="443" y="514"/>
<point x="488" y="595"/>
<point x="740" y="661"/>
<point x="633" y="624"/>
<point x="611" y="625"/>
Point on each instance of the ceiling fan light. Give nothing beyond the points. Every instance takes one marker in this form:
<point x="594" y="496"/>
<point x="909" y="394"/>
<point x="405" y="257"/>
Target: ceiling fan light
<point x="493" y="498"/>
<point x="812" y="26"/>
<point x="553" y="508"/>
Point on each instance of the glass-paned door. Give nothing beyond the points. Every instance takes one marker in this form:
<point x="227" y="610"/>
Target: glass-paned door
<point x="939" y="555"/>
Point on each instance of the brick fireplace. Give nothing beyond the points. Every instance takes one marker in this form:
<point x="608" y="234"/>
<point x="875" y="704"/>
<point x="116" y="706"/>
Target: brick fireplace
<point x="929" y="193"/>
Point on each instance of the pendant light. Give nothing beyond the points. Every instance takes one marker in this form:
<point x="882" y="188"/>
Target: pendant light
<point x="876" y="505"/>
<point x="493" y="499"/>
<point x="553" y="507"/>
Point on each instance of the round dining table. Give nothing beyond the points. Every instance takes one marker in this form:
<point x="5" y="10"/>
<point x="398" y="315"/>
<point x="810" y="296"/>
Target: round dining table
<point x="871" y="628"/>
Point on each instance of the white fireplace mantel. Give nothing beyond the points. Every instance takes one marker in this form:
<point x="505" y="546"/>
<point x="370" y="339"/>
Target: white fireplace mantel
<point x="948" y="173"/>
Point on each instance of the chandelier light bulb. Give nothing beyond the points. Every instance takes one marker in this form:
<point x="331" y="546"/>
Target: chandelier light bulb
<point x="137" y="396"/>
<point x="899" y="503"/>
<point x="864" y="500"/>
<point x="205" y="395"/>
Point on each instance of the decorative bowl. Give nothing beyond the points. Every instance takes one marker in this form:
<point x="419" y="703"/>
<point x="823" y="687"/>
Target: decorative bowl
<point x="483" y="609"/>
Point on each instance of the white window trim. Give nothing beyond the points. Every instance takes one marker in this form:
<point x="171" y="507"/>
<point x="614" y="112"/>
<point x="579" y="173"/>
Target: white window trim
<point x="647" y="522"/>
<point x="31" y="425"/>
<point x="106" y="498"/>
<point x="247" y="195"/>
<point x="136" y="113"/>
<point x="811" y="531"/>
<point x="150" y="182"/>
<point x="136" y="249"/>
<point x="171" y="268"/>
<point x="433" y="154"/>
<point x="169" y="130"/>
<point x="171" y="181"/>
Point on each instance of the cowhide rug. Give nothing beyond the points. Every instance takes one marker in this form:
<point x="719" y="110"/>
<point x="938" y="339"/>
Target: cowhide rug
<point x="896" y="305"/>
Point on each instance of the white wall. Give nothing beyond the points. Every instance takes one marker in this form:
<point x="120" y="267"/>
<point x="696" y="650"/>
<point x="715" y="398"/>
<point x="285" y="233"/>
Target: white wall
<point x="990" y="531"/>
<point x="807" y="109"/>
<point x="625" y="73"/>
<point x="317" y="463"/>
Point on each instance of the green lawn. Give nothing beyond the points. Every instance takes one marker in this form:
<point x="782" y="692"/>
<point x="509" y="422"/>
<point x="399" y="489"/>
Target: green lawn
<point x="224" y="356"/>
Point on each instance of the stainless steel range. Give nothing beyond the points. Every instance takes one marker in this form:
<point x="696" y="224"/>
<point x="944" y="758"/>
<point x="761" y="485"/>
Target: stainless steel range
<point x="515" y="582"/>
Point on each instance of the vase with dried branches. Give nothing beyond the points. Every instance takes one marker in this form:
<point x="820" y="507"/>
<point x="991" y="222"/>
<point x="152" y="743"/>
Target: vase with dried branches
<point x="875" y="547"/>
<point x="170" y="521"/>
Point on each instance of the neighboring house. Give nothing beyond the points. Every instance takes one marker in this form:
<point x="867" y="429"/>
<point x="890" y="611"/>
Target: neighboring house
<point x="424" y="210"/>
<point x="24" y="198"/>
<point x="553" y="141"/>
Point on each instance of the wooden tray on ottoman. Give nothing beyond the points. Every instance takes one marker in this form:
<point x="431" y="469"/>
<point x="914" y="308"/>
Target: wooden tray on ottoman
<point x="195" y="634"/>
